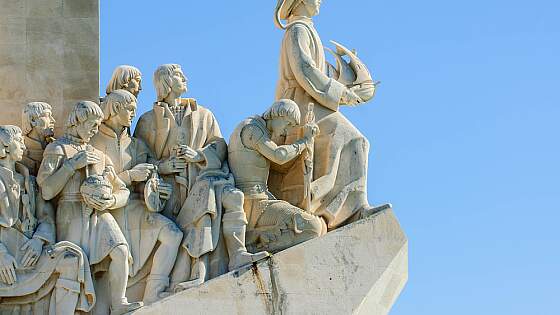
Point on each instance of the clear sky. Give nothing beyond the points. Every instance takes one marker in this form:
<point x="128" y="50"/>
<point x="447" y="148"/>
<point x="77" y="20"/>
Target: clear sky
<point x="464" y="129"/>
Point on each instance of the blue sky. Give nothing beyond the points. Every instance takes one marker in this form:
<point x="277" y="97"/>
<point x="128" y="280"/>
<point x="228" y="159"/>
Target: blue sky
<point x="464" y="129"/>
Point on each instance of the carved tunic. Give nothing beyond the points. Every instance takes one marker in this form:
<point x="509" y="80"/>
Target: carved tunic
<point x="140" y="227"/>
<point x="33" y="155"/>
<point x="102" y="231"/>
<point x="274" y="224"/>
<point x="25" y="215"/>
<point x="340" y="190"/>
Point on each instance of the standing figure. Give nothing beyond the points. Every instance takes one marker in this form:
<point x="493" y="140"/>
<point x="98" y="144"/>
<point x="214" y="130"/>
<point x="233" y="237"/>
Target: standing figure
<point x="37" y="275"/>
<point x="274" y="224"/>
<point x="67" y="162"/>
<point x="187" y="141"/>
<point x="145" y="232"/>
<point x="38" y="130"/>
<point x="338" y="192"/>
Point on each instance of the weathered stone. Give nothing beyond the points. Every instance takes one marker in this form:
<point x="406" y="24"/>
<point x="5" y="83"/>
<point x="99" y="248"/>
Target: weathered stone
<point x="357" y="269"/>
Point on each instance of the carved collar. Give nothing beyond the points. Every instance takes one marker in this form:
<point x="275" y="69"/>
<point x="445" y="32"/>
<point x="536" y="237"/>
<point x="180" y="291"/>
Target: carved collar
<point x="106" y="130"/>
<point x="302" y="19"/>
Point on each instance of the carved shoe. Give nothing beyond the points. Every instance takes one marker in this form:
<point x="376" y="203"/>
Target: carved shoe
<point x="125" y="308"/>
<point x="246" y="258"/>
<point x="369" y="211"/>
<point x="155" y="286"/>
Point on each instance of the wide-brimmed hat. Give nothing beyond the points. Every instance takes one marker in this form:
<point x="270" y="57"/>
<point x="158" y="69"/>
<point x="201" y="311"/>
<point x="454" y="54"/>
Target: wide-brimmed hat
<point x="283" y="10"/>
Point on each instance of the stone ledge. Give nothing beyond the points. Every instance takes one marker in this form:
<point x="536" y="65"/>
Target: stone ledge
<point x="357" y="269"/>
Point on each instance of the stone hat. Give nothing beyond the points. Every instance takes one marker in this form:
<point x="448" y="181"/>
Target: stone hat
<point x="285" y="7"/>
<point x="283" y="10"/>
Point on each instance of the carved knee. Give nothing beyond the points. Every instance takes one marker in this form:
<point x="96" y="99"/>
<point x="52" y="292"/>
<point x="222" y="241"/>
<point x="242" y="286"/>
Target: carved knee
<point x="171" y="234"/>
<point x="68" y="266"/>
<point x="232" y="198"/>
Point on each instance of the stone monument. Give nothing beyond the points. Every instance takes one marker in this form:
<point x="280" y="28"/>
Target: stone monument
<point x="96" y="219"/>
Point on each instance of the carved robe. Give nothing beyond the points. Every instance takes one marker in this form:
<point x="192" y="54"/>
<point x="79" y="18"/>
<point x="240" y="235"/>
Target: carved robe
<point x="98" y="233"/>
<point x="340" y="190"/>
<point x="140" y="227"/>
<point x="33" y="155"/>
<point x="163" y="129"/>
<point x="40" y="289"/>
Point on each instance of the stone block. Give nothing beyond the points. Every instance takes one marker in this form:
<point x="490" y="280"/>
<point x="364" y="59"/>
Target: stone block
<point x="12" y="72"/>
<point x="81" y="32"/>
<point x="358" y="269"/>
<point x="42" y="8"/>
<point x="12" y="31"/>
<point x="81" y="9"/>
<point x="12" y="8"/>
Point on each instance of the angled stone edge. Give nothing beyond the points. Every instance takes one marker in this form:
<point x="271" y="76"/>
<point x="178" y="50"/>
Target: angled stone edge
<point x="358" y="269"/>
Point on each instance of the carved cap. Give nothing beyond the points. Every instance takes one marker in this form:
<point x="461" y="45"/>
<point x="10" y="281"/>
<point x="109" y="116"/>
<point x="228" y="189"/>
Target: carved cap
<point x="283" y="10"/>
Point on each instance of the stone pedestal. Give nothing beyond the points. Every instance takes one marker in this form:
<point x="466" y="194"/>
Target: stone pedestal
<point x="358" y="269"/>
<point x="49" y="51"/>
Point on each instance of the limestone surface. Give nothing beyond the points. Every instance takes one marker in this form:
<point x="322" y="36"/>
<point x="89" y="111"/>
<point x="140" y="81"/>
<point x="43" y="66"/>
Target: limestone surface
<point x="357" y="269"/>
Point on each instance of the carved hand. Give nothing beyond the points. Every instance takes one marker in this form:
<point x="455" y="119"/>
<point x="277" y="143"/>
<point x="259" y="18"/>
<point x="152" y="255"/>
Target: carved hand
<point x="33" y="249"/>
<point x="141" y="172"/>
<point x="8" y="269"/>
<point x="350" y="98"/>
<point x="101" y="203"/>
<point x="164" y="190"/>
<point x="310" y="130"/>
<point x="172" y="165"/>
<point x="189" y="155"/>
<point x="83" y="159"/>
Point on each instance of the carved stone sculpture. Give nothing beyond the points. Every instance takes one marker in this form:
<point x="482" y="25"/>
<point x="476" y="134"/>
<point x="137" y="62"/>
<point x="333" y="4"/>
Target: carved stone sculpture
<point x="187" y="141"/>
<point x="67" y="162"/>
<point x="147" y="233"/>
<point x="125" y="78"/>
<point x="274" y="224"/>
<point x="37" y="275"/>
<point x="337" y="192"/>
<point x="38" y="129"/>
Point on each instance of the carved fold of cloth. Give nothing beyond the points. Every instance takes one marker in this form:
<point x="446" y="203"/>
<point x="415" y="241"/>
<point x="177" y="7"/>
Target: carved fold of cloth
<point x="45" y="283"/>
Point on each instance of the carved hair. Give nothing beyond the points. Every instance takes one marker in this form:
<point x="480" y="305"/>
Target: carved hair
<point x="81" y="112"/>
<point x="115" y="102"/>
<point x="31" y="112"/>
<point x="284" y="108"/>
<point x="162" y="79"/>
<point x="7" y="136"/>
<point x="283" y="11"/>
<point x="121" y="78"/>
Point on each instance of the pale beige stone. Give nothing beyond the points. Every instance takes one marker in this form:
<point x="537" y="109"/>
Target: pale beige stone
<point x="12" y="30"/>
<point x="153" y="238"/>
<point x="36" y="269"/>
<point x="50" y="8"/>
<point x="83" y="181"/>
<point x="274" y="224"/>
<point x="191" y="152"/>
<point x="80" y="8"/>
<point x="336" y="192"/>
<point x="357" y="269"/>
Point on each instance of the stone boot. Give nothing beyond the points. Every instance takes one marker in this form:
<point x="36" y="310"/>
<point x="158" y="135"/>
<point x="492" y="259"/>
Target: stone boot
<point x="125" y="307"/>
<point x="235" y="242"/>
<point x="155" y="287"/>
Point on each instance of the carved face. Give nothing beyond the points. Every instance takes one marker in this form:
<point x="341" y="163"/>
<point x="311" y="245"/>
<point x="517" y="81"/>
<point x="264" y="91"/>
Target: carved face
<point x="16" y="148"/>
<point x="127" y="114"/>
<point x="313" y="6"/>
<point x="178" y="82"/>
<point x="44" y="124"/>
<point x="135" y="86"/>
<point x="88" y="128"/>
<point x="279" y="128"/>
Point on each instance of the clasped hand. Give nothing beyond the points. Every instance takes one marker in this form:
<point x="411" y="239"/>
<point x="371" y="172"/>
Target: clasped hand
<point x="83" y="159"/>
<point x="141" y="172"/>
<point x="178" y="163"/>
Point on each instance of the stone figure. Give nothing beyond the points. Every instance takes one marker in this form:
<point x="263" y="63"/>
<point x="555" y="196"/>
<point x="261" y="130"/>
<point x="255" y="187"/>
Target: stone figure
<point x="38" y="130"/>
<point x="67" y="162"/>
<point x="274" y="224"/>
<point x="338" y="192"/>
<point x="147" y="233"/>
<point x="37" y="275"/>
<point x="125" y="78"/>
<point x="187" y="141"/>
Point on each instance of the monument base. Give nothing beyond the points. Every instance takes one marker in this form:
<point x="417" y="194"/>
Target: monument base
<point x="358" y="269"/>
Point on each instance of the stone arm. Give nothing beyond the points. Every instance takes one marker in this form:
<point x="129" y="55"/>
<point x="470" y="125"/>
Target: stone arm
<point x="214" y="150"/>
<point x="254" y="138"/>
<point x="142" y="155"/>
<point x="120" y="192"/>
<point x="44" y="212"/>
<point x="53" y="175"/>
<point x="327" y="91"/>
